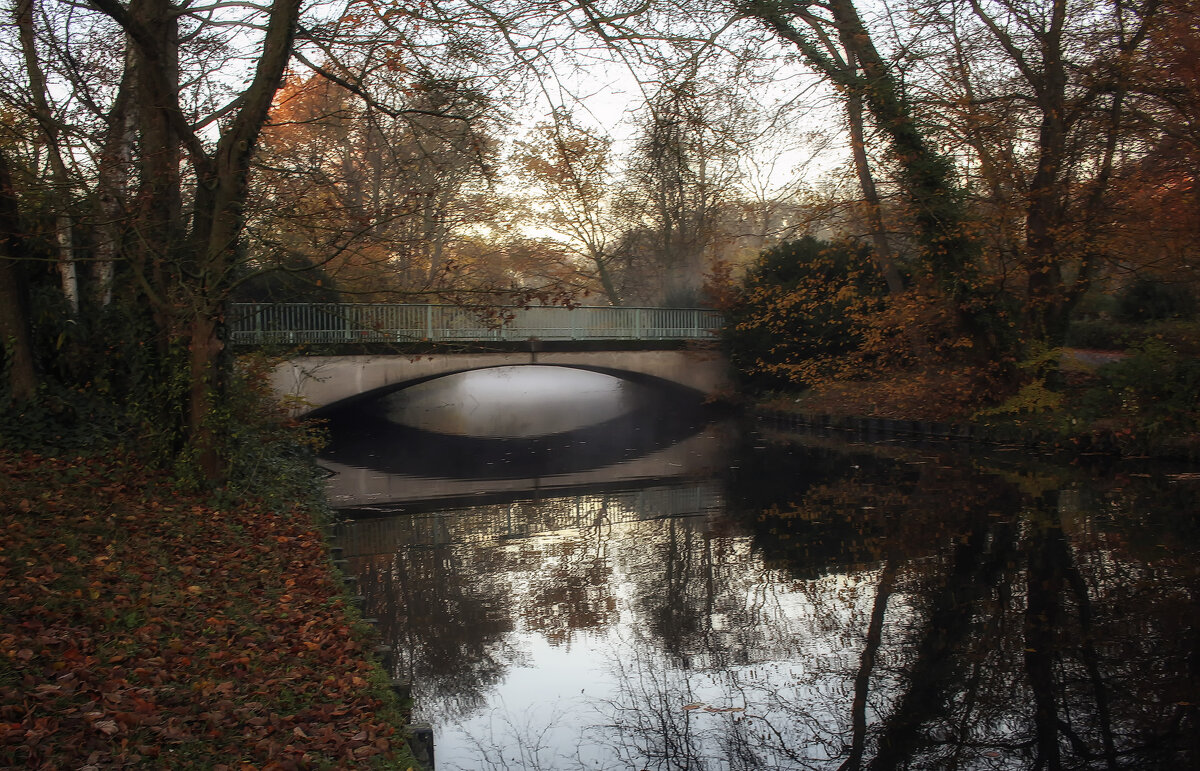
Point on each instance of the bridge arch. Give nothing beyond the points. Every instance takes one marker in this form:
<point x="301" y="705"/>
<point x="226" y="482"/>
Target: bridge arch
<point x="313" y="383"/>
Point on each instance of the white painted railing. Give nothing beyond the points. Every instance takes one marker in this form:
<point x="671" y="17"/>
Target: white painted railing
<point x="296" y="323"/>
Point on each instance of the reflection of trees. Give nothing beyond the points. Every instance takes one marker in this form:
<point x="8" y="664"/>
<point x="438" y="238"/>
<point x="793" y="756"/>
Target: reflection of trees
<point x="446" y="613"/>
<point x="1111" y="646"/>
<point x="569" y="585"/>
<point x="1023" y="641"/>
<point x="703" y="600"/>
<point x="862" y="678"/>
<point x="657" y="719"/>
<point x="870" y="614"/>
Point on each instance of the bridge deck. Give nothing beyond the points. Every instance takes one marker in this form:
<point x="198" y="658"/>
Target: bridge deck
<point x="339" y="323"/>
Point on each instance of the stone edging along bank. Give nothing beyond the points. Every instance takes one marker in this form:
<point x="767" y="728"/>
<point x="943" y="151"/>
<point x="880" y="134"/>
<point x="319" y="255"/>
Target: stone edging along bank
<point x="869" y="429"/>
<point x="889" y="428"/>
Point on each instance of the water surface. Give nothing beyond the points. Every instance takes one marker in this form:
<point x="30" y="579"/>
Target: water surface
<point x="661" y="589"/>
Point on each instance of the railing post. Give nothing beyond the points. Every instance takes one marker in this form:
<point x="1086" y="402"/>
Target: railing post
<point x="637" y="323"/>
<point x="428" y="322"/>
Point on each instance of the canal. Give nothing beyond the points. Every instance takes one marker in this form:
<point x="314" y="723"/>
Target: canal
<point x="578" y="572"/>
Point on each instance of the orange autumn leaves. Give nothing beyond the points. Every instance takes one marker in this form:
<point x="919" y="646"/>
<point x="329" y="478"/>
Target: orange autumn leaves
<point x="142" y="626"/>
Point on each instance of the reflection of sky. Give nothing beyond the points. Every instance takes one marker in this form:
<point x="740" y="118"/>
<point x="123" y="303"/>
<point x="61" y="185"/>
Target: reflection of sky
<point x="526" y="401"/>
<point x="633" y="627"/>
<point x="581" y="701"/>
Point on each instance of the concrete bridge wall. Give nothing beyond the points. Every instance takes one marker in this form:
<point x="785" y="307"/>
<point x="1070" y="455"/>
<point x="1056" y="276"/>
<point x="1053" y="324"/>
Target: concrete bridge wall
<point x="314" y="382"/>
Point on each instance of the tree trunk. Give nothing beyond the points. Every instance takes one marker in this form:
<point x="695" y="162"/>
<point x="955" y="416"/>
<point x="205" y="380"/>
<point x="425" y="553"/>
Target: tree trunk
<point x="879" y="239"/>
<point x="1045" y="215"/>
<point x="59" y="195"/>
<point x="217" y="222"/>
<point x="606" y="281"/>
<point x="112" y="184"/>
<point x="188" y="278"/>
<point x="14" y="300"/>
<point x="205" y="378"/>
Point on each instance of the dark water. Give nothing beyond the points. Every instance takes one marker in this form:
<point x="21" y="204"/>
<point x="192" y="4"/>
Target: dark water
<point x="624" y="581"/>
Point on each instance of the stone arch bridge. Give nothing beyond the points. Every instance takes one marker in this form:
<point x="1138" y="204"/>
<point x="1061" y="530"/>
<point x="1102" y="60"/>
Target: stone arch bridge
<point x="667" y="346"/>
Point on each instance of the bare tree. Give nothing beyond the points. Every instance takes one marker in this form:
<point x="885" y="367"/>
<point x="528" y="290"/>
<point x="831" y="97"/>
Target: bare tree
<point x="682" y="173"/>
<point x="1047" y="119"/>
<point x="571" y="168"/>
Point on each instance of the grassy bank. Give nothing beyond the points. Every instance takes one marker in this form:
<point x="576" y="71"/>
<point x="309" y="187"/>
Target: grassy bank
<point x="144" y="627"/>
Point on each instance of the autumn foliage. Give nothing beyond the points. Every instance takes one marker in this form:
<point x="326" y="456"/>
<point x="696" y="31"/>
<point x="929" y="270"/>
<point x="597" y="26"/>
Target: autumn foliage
<point x="816" y="315"/>
<point x="122" y="642"/>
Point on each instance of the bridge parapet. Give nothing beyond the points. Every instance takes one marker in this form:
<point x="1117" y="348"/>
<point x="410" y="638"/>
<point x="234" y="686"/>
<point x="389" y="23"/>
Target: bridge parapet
<point x="341" y="323"/>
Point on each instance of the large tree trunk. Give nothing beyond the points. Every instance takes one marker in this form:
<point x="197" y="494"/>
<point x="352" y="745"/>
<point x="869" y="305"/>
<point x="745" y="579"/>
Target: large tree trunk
<point x="206" y="385"/>
<point x="157" y="220"/>
<point x="862" y="166"/>
<point x="217" y="222"/>
<point x="112" y="184"/>
<point x="188" y="277"/>
<point x="14" y="305"/>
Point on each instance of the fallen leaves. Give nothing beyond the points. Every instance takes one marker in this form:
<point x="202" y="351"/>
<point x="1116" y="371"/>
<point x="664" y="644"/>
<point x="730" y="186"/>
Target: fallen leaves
<point x="141" y="626"/>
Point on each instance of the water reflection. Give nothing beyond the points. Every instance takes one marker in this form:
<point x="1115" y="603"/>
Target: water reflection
<point x="815" y="606"/>
<point x="615" y="431"/>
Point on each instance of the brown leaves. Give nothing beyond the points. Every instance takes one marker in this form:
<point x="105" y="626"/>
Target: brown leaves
<point x="133" y="623"/>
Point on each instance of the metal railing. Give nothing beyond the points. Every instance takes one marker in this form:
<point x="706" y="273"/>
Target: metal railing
<point x="299" y="323"/>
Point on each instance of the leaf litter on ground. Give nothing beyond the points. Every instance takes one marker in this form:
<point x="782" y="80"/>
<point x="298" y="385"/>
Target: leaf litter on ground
<point x="142" y="627"/>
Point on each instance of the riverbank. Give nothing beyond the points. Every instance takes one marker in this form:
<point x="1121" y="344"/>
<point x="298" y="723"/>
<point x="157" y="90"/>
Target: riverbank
<point x="141" y="626"/>
<point x="1139" y="403"/>
<point x="1115" y="440"/>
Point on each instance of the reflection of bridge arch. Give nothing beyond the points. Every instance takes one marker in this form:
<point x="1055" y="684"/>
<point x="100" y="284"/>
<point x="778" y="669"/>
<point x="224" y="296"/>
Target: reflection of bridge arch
<point x="519" y="519"/>
<point x="380" y="491"/>
<point x="321" y="381"/>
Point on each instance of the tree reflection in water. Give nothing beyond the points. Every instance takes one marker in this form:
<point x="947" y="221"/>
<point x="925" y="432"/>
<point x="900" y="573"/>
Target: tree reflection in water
<point x="446" y="621"/>
<point x="848" y="609"/>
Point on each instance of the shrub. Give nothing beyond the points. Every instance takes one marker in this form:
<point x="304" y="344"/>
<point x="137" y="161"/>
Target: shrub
<point x="1153" y="390"/>
<point x="1102" y="334"/>
<point x="802" y="302"/>
<point x="1149" y="300"/>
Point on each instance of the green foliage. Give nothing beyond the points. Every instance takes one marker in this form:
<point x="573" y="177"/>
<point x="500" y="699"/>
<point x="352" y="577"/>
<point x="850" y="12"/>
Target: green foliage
<point x="269" y="454"/>
<point x="1153" y="391"/>
<point x="1037" y="393"/>
<point x="1102" y="334"/>
<point x="111" y="383"/>
<point x="107" y="381"/>
<point x="801" y="301"/>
